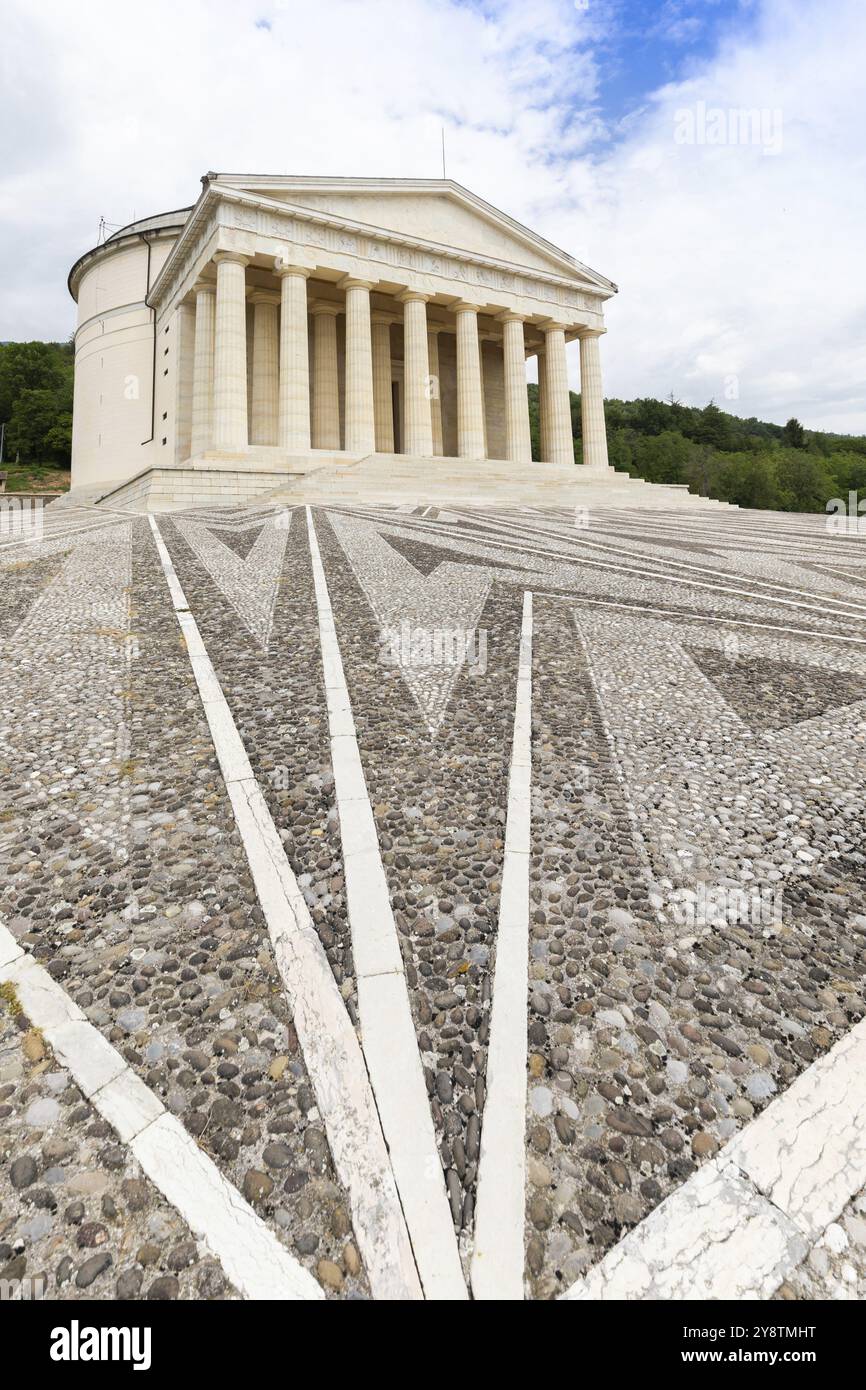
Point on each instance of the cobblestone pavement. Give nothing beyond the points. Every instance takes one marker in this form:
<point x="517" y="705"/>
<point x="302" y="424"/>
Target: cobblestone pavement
<point x="686" y="913"/>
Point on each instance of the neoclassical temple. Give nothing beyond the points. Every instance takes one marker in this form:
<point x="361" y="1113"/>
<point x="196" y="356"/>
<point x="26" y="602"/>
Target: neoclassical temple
<point x="284" y="324"/>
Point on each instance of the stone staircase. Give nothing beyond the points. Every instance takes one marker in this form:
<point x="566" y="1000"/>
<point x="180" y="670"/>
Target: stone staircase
<point x="265" y="476"/>
<point x="387" y="479"/>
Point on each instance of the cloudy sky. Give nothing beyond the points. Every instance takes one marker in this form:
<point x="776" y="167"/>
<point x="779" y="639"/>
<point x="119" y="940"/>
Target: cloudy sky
<point x="708" y="157"/>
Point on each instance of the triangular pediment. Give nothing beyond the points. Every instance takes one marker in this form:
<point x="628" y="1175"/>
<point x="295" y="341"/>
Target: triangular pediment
<point x="435" y="211"/>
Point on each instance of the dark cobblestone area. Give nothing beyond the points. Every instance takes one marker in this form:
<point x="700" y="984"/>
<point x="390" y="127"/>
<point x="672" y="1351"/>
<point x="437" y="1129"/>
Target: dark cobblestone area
<point x="277" y="699"/>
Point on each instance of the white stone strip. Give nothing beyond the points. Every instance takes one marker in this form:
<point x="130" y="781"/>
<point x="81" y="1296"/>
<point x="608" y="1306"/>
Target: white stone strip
<point x="498" y="1257"/>
<point x="741" y="1225"/>
<point x="825" y="635"/>
<point x="807" y="1151"/>
<point x="715" y="1238"/>
<point x="252" y="1257"/>
<point x="849" y="607"/>
<point x="328" y="1041"/>
<point x="387" y="1031"/>
<point x="665" y="564"/>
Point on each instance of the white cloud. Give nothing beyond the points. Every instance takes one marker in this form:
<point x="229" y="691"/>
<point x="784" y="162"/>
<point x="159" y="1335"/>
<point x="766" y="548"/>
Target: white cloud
<point x="732" y="262"/>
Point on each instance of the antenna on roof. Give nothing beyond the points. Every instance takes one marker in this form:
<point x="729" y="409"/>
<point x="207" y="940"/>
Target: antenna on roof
<point x="443" y="152"/>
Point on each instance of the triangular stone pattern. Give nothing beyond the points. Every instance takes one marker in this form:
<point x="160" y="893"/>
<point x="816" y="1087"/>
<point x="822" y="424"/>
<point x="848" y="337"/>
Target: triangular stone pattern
<point x="772" y="695"/>
<point x="426" y="558"/>
<point x="405" y="597"/>
<point x="241" y="541"/>
<point x="249" y="583"/>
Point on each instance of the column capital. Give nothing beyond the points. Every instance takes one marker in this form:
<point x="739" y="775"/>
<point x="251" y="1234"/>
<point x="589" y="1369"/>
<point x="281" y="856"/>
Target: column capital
<point x="410" y="296"/>
<point x="583" y="332"/>
<point x="463" y="306"/>
<point x="553" y="326"/>
<point x="353" y="282"/>
<point x="384" y="316"/>
<point x="204" y="287"/>
<point x="231" y="257"/>
<point x="264" y="297"/>
<point x="283" y="267"/>
<point x="326" y="306"/>
<point x="510" y="316"/>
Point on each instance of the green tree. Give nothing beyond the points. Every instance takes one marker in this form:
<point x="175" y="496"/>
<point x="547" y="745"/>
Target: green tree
<point x="661" y="458"/>
<point x="748" y="480"/>
<point x="714" y="427"/>
<point x="36" y="401"/>
<point x="793" y="434"/>
<point x="805" y="485"/>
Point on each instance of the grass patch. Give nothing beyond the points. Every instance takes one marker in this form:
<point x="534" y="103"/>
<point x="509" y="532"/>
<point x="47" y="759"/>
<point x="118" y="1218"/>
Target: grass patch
<point x="9" y="995"/>
<point x="35" y="477"/>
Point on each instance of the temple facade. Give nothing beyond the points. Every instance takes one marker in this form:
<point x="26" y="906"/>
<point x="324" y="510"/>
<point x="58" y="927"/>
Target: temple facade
<point x="286" y="322"/>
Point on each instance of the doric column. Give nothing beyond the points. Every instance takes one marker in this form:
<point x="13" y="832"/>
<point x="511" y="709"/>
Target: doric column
<point x="470" y="401"/>
<point x="543" y="418"/>
<point x="266" y="370"/>
<point x="592" y="402"/>
<point x="202" y="371"/>
<point x="418" y="432"/>
<point x="383" y="401"/>
<point x="560" y="441"/>
<point x="230" y="353"/>
<point x="485" y="367"/>
<point x="326" y="391"/>
<point x="293" y="425"/>
<point x="185" y="331"/>
<point x="433" y="331"/>
<point x="518" y="446"/>
<point x="360" y="417"/>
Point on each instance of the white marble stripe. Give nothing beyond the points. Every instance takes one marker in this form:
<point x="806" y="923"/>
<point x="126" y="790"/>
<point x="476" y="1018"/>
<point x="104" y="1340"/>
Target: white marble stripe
<point x="497" y="1262"/>
<point x="330" y="1047"/>
<point x="823" y="635"/>
<point x="387" y="1030"/>
<point x="252" y="1257"/>
<point x="845" y="607"/>
<point x="741" y="1225"/>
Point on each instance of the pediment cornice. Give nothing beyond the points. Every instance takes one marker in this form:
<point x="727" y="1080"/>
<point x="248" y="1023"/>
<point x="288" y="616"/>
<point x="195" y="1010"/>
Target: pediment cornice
<point x="268" y="216"/>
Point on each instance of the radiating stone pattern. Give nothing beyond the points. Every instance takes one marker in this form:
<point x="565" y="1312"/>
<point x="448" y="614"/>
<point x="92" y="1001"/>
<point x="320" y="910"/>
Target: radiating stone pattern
<point x="156" y="933"/>
<point x="692" y="732"/>
<point x="439" y="804"/>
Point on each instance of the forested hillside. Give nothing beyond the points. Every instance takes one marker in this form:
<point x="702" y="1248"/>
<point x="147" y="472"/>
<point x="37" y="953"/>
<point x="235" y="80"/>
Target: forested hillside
<point x="750" y="462"/>
<point x="36" y="403"/>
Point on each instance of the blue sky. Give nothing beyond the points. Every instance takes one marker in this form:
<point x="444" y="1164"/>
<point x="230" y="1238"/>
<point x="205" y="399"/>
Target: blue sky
<point x="739" y="261"/>
<point x="651" y="44"/>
